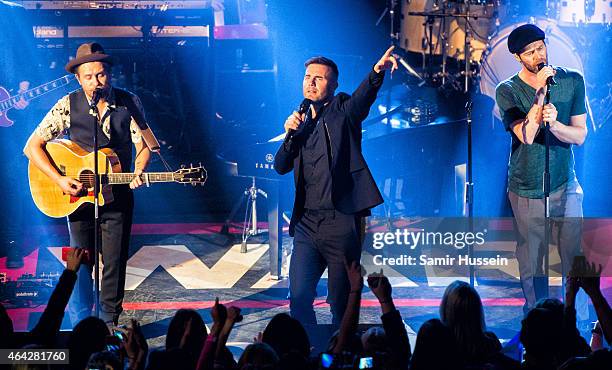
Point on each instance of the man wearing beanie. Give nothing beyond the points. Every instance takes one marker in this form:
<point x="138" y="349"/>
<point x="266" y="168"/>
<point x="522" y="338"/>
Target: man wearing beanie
<point x="121" y="124"/>
<point x="521" y="103"/>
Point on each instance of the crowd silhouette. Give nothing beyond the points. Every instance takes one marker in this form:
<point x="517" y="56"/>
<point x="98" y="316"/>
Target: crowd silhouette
<point x="457" y="340"/>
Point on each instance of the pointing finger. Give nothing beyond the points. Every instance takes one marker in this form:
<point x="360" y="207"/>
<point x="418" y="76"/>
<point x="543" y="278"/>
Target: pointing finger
<point x="388" y="52"/>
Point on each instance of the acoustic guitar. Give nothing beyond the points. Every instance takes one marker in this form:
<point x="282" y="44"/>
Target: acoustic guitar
<point x="71" y="160"/>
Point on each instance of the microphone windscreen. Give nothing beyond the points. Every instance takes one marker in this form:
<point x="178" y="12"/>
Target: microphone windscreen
<point x="304" y="105"/>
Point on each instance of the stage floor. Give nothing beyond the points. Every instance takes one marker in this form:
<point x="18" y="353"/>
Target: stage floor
<point x="187" y="265"/>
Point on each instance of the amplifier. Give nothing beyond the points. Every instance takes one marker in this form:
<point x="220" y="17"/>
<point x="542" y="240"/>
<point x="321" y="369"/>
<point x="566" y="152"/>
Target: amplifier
<point x="54" y="37"/>
<point x="29" y="289"/>
<point x="136" y="31"/>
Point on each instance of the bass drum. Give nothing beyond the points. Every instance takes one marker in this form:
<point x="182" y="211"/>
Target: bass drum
<point x="498" y="64"/>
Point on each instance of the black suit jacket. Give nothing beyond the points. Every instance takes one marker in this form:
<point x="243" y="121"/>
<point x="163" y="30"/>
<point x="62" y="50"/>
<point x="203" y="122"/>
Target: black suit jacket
<point x="354" y="190"/>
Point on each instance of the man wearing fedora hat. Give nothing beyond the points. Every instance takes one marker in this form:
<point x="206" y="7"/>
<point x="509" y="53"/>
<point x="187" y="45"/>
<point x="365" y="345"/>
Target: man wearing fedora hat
<point x="121" y="118"/>
<point x="521" y="103"/>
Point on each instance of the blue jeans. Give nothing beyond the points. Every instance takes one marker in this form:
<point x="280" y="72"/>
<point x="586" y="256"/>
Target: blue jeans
<point x="323" y="239"/>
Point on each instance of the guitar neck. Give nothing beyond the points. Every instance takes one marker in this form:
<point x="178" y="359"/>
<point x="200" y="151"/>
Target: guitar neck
<point x="35" y="92"/>
<point x="126" y="178"/>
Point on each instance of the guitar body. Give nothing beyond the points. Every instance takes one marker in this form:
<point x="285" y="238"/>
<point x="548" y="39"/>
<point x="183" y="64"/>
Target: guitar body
<point x="73" y="161"/>
<point x="4" y="120"/>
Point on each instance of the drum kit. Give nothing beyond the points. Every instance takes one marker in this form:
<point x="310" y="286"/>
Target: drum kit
<point x="462" y="44"/>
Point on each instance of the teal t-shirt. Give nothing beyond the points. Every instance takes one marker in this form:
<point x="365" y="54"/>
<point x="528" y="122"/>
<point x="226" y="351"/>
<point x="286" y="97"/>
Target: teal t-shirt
<point x="526" y="166"/>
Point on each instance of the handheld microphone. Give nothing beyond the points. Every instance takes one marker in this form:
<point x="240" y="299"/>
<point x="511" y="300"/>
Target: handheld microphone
<point x="97" y="94"/>
<point x="550" y="80"/>
<point x="303" y="108"/>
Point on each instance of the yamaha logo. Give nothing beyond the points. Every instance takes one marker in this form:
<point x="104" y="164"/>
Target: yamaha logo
<point x="269" y="158"/>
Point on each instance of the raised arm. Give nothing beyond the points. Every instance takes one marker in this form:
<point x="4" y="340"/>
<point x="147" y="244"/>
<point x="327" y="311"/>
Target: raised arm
<point x="50" y="321"/>
<point x="233" y="316"/>
<point x="590" y="283"/>
<point x="395" y="329"/>
<point x="218" y="314"/>
<point x="358" y="106"/>
<point x="136" y="347"/>
<point x="350" y="320"/>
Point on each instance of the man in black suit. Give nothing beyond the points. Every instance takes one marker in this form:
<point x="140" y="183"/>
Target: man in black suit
<point x="334" y="187"/>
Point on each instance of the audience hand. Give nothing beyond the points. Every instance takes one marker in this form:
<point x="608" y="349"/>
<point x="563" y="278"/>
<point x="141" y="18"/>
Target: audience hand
<point x="589" y="281"/>
<point x="218" y="312"/>
<point x="74" y="259"/>
<point x="354" y="275"/>
<point x="136" y="346"/>
<point x="233" y="314"/>
<point x="380" y="286"/>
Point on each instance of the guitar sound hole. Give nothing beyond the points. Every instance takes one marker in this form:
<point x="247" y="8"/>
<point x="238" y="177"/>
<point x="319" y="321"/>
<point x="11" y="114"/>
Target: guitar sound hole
<point x="87" y="178"/>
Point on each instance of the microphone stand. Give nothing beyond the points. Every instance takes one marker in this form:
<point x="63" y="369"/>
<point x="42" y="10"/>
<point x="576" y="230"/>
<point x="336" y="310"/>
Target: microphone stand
<point x="93" y="110"/>
<point x="546" y="191"/>
<point x="469" y="186"/>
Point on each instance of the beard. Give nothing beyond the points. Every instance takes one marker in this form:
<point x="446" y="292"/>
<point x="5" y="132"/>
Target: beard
<point x="533" y="68"/>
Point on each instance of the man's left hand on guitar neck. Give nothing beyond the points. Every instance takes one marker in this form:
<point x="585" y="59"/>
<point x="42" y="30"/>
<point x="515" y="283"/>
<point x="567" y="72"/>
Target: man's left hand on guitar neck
<point x="143" y="157"/>
<point x="137" y="181"/>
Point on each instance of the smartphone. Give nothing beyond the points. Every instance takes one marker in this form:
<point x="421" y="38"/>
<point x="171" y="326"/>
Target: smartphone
<point x="119" y="335"/>
<point x="366" y="363"/>
<point x="120" y="332"/>
<point x="86" y="256"/>
<point x="113" y="344"/>
<point x="327" y="360"/>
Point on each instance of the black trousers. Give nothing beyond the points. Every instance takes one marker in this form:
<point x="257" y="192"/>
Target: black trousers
<point x="115" y="225"/>
<point x="323" y="239"/>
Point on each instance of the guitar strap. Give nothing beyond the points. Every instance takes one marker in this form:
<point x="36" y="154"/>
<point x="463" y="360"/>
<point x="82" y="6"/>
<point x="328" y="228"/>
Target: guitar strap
<point x="147" y="135"/>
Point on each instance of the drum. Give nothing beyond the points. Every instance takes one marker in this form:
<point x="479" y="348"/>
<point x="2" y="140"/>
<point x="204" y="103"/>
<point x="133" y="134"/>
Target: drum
<point x="498" y="64"/>
<point x="480" y="28"/>
<point x="413" y="35"/>
<point x="576" y="12"/>
<point x="484" y="14"/>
